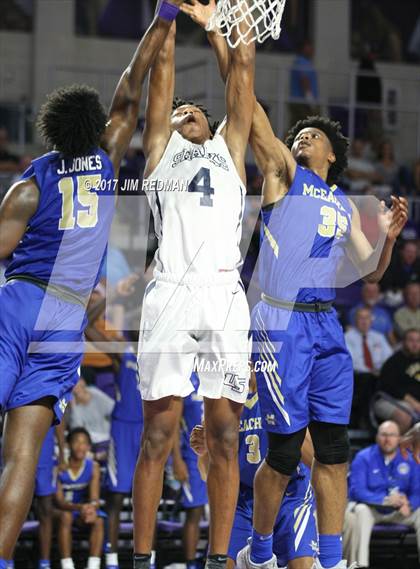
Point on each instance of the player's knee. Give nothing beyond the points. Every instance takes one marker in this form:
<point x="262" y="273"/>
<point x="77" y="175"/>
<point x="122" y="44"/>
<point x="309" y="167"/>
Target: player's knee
<point x="284" y="451"/>
<point x="156" y="443"/>
<point x="222" y="442"/>
<point x="331" y="443"/>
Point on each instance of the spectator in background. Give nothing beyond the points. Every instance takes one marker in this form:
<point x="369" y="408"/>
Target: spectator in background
<point x="399" y="384"/>
<point x="91" y="409"/>
<point x="404" y="268"/>
<point x="9" y="162"/>
<point x="408" y="316"/>
<point x="360" y="171"/>
<point x="384" y="488"/>
<point x="381" y="318"/>
<point x="78" y="493"/>
<point x="304" y="90"/>
<point x="369" y="350"/>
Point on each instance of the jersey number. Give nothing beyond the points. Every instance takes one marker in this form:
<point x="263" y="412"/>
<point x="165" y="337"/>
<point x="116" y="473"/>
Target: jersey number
<point x="86" y="218"/>
<point x="334" y="224"/>
<point x="253" y="455"/>
<point x="201" y="183"/>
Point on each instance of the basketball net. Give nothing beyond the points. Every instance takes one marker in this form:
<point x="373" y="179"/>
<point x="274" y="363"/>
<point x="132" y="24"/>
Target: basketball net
<point x="252" y="20"/>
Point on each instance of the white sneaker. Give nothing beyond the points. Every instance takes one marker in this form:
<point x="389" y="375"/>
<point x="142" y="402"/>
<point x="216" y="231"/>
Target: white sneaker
<point x="243" y="560"/>
<point x="341" y="565"/>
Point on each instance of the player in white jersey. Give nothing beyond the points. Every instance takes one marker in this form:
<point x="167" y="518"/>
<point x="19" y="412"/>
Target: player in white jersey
<point x="195" y="311"/>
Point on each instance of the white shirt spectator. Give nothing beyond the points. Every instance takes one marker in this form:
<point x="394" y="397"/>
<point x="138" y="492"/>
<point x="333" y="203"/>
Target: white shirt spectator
<point x="378" y="346"/>
<point x="94" y="414"/>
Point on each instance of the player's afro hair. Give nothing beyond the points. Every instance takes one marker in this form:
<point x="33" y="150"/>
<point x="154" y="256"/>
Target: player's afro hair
<point x="72" y="120"/>
<point x="178" y="102"/>
<point x="339" y="142"/>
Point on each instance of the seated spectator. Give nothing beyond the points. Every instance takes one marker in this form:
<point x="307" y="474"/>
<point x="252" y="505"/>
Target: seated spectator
<point x="9" y="162"/>
<point x="91" y="409"/>
<point x="400" y="381"/>
<point x="78" y="491"/>
<point x="360" y="171"/>
<point x="408" y="316"/>
<point x="404" y="268"/>
<point x="381" y="318"/>
<point x="384" y="488"/>
<point x="369" y="350"/>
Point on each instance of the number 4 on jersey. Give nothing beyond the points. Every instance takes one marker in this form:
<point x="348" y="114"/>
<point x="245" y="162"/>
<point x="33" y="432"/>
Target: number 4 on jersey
<point x="201" y="183"/>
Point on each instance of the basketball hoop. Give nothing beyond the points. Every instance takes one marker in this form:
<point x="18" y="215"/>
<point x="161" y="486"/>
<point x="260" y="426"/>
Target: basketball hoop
<point x="253" y="20"/>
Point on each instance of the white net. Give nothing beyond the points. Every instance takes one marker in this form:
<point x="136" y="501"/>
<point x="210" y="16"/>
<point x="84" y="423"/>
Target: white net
<point x="247" y="21"/>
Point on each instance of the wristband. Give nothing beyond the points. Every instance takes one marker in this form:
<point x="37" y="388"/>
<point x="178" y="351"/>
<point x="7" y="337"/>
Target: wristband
<point x="168" y="11"/>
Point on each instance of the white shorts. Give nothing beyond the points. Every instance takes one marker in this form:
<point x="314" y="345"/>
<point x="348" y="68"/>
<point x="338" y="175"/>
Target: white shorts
<point x="194" y="327"/>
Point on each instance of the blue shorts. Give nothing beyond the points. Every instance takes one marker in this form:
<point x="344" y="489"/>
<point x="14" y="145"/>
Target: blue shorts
<point x="311" y="375"/>
<point x="294" y="535"/>
<point x="194" y="492"/>
<point x="46" y="472"/>
<point x="41" y="346"/>
<point x="123" y="452"/>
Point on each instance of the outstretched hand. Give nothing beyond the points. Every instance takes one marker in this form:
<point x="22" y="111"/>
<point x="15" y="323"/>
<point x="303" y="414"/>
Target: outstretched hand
<point x="393" y="221"/>
<point x="198" y="12"/>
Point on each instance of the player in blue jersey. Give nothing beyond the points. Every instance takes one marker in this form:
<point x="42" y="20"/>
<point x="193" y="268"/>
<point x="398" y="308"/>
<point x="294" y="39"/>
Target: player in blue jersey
<point x="309" y="228"/>
<point x="77" y="496"/>
<point x="295" y="535"/>
<point x="55" y="224"/>
<point x="194" y="492"/>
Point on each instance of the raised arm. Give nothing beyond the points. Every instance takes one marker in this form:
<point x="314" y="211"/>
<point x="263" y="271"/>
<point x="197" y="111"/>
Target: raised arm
<point x="372" y="263"/>
<point x="240" y="102"/>
<point x="125" y="106"/>
<point x="273" y="158"/>
<point x="160" y="97"/>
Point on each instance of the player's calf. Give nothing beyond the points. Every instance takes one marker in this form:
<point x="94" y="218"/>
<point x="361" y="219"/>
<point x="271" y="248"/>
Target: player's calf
<point x="329" y="479"/>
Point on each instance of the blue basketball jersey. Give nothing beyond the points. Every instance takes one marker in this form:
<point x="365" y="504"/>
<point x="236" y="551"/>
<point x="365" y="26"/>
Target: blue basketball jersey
<point x="76" y="486"/>
<point x="66" y="238"/>
<point x="303" y="237"/>
<point x="192" y="415"/>
<point x="128" y="406"/>
<point x="253" y="446"/>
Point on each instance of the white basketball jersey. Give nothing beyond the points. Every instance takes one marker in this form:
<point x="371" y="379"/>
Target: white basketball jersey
<point x="197" y="199"/>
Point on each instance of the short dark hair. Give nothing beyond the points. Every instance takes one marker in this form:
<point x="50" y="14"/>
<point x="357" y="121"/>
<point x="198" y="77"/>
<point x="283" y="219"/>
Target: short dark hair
<point x="72" y="120"/>
<point x="339" y="142"/>
<point x="179" y="102"/>
<point x="78" y="431"/>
